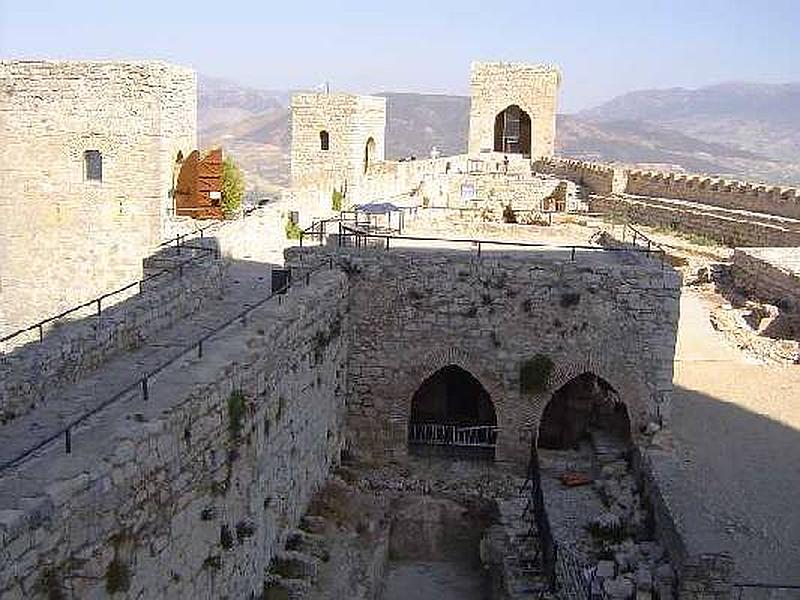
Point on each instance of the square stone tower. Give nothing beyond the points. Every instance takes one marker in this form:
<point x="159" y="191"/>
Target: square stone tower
<point x="513" y="108"/>
<point x="335" y="138"/>
<point x="87" y="162"/>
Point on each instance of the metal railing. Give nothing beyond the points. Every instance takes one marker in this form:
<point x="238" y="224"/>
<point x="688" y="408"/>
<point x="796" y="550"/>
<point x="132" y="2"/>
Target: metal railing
<point x="434" y="434"/>
<point x="639" y="239"/>
<point x="180" y="244"/>
<point x="143" y="383"/>
<point x="98" y="301"/>
<point x="361" y="238"/>
<point x="773" y="590"/>
<point x="349" y="234"/>
<point x="547" y="550"/>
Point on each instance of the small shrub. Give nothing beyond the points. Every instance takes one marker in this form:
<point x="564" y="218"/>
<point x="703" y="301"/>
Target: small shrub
<point x="293" y="230"/>
<point x="232" y="187"/>
<point x="534" y="374"/>
<point x="336" y="200"/>
<point x="118" y="577"/>
<point x="225" y="537"/>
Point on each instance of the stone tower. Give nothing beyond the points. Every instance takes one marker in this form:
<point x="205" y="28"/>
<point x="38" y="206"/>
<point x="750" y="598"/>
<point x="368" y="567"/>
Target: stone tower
<point x="335" y="138"/>
<point x="513" y="108"/>
<point x="87" y="161"/>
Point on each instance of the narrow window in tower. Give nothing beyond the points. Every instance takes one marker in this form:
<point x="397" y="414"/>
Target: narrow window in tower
<point x="93" y="165"/>
<point x="324" y="140"/>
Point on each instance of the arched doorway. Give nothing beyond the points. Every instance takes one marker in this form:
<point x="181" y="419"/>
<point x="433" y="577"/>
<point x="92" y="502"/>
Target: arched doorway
<point x="512" y="131"/>
<point x="451" y="410"/>
<point x="586" y="406"/>
<point x="369" y="153"/>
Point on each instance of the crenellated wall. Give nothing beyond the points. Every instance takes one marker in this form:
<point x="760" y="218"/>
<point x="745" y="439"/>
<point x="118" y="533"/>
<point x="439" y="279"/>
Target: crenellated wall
<point x="726" y="193"/>
<point x="606" y="179"/>
<point x="598" y="178"/>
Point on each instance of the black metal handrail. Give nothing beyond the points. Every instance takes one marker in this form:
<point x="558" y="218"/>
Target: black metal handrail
<point x="742" y="586"/>
<point x="178" y="240"/>
<point x="479" y="243"/>
<point x="98" y="301"/>
<point x="143" y="382"/>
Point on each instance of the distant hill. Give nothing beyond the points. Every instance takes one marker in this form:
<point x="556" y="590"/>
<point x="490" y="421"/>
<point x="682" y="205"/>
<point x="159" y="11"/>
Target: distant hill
<point x="739" y="130"/>
<point x="763" y="118"/>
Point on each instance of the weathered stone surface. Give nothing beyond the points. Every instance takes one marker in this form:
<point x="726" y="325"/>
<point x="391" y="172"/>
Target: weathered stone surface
<point x="67" y="239"/>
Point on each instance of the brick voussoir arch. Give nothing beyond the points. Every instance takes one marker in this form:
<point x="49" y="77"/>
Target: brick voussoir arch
<point x="630" y="387"/>
<point x="408" y="382"/>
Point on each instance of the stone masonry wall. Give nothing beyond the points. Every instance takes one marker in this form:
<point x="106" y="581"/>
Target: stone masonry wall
<point x="414" y="312"/>
<point x="772" y="274"/>
<point x="726" y="193"/>
<point x="67" y="239"/>
<point x="596" y="177"/>
<point x="82" y="342"/>
<point x="191" y="493"/>
<point x="728" y="229"/>
<point x="350" y="122"/>
<point x="603" y="178"/>
<point x="496" y="86"/>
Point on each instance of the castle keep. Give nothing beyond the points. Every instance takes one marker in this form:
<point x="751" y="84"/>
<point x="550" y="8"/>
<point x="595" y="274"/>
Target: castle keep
<point x="513" y="108"/>
<point x="86" y="174"/>
<point x="335" y="139"/>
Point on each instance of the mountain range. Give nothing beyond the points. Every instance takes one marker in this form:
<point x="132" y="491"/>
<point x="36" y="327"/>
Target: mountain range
<point x="742" y="130"/>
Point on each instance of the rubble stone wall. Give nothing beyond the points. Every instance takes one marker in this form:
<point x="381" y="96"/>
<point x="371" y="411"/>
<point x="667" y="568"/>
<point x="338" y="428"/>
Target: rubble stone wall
<point x="772" y="274"/>
<point x="191" y="493"/>
<point x="413" y="313"/>
<point x="67" y="238"/>
<point x="727" y="229"/>
<point x="80" y="343"/>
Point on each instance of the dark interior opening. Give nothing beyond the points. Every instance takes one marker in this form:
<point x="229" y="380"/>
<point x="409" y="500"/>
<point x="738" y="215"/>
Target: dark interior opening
<point x="512" y="131"/>
<point x="583" y="404"/>
<point x="452" y="396"/>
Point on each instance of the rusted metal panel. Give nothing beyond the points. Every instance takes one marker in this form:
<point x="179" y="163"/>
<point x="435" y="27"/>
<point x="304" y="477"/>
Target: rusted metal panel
<point x="198" y="192"/>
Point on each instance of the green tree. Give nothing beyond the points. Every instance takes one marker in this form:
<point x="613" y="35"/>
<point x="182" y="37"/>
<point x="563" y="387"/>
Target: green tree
<point x="336" y="200"/>
<point x="232" y="187"/>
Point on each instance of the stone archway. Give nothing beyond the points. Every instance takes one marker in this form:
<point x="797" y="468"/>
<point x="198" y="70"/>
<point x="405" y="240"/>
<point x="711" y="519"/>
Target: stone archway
<point x="512" y="131"/>
<point x="452" y="411"/>
<point x="583" y="404"/>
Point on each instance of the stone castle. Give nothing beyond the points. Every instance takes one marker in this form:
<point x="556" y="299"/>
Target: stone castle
<point x="209" y="435"/>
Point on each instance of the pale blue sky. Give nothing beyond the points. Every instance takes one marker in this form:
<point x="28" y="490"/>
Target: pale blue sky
<point x="604" y="47"/>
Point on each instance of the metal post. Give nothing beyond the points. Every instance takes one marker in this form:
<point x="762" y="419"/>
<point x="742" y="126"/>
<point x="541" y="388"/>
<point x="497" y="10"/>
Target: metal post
<point x="387" y="242"/>
<point x="68" y="440"/>
<point x="573" y="253"/>
<point x="200" y="349"/>
<point x="145" y="391"/>
<point x="308" y="278"/>
<point x="178" y="243"/>
<point x="479" y="248"/>
<point x="41" y="333"/>
<point x="180" y="270"/>
<point x="301" y="239"/>
<point x="98" y="306"/>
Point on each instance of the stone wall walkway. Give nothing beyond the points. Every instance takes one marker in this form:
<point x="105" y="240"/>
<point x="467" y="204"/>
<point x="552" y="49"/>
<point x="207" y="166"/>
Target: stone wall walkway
<point x="244" y="283"/>
<point x="736" y="427"/>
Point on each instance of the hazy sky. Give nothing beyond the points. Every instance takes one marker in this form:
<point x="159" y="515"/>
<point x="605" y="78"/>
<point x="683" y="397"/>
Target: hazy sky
<point x="604" y="48"/>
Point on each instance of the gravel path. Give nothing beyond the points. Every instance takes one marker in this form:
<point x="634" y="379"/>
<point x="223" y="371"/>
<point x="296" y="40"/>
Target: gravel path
<point x="736" y="425"/>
